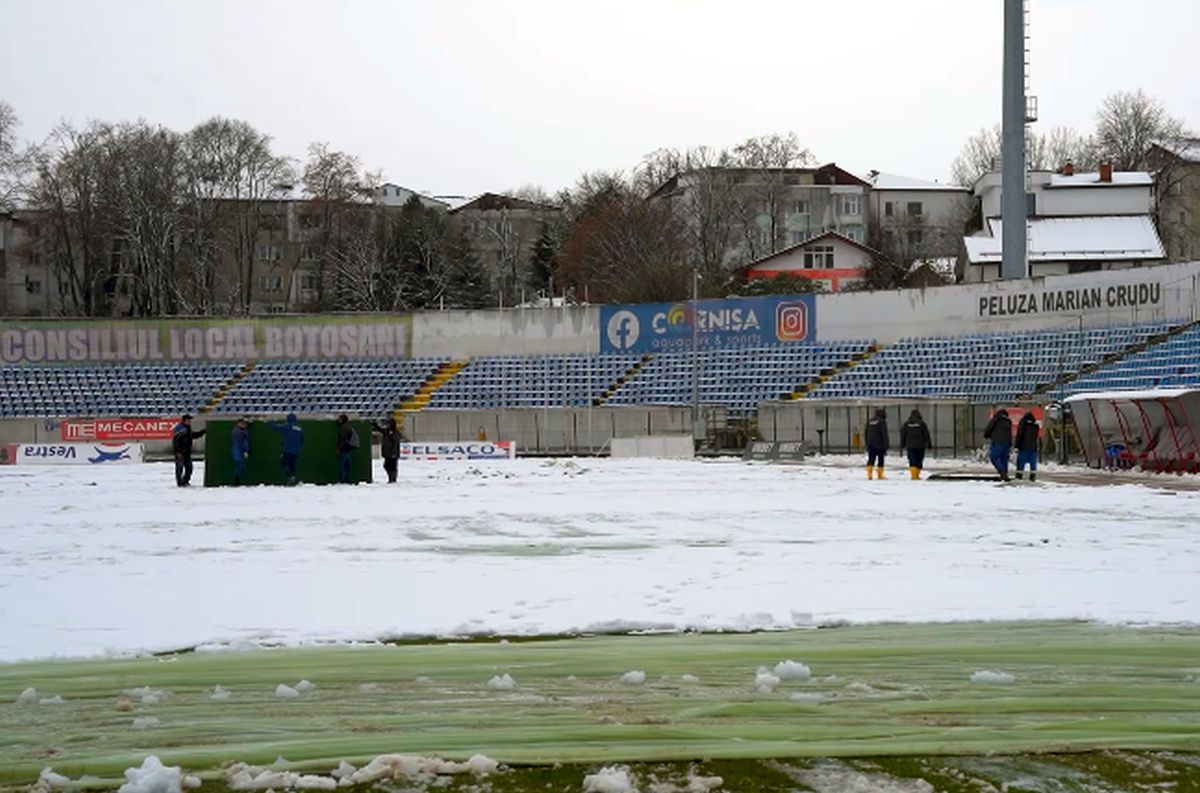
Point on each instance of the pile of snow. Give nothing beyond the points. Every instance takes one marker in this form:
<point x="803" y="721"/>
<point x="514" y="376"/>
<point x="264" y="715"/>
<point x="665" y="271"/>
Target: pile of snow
<point x="807" y="696"/>
<point x="689" y="679"/>
<point x="634" y="678"/>
<point x="246" y="777"/>
<point x="502" y="682"/>
<point x="154" y="777"/>
<point x="284" y="691"/>
<point x="304" y="686"/>
<point x="792" y="670"/>
<point x="692" y="783"/>
<point x="147" y="695"/>
<point x="28" y="697"/>
<point x="54" y="700"/>
<point x="143" y="722"/>
<point x="988" y="676"/>
<point x="399" y="766"/>
<point x="48" y="781"/>
<point x="833" y="776"/>
<point x="610" y="779"/>
<point x="764" y="681"/>
<point x="219" y="694"/>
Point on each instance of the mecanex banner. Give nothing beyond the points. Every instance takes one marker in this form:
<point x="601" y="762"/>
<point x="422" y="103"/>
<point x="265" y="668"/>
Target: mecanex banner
<point x="130" y="341"/>
<point x="117" y="429"/>
<point x="731" y="322"/>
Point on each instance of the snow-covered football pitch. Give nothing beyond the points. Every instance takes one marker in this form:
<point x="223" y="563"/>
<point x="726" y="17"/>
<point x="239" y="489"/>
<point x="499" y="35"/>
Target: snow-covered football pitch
<point x="964" y="618"/>
<point x="117" y="560"/>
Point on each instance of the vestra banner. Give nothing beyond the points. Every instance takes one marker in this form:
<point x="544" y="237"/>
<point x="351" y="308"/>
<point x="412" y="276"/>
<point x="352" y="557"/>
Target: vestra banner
<point x="78" y="453"/>
<point x="732" y="322"/>
<point x="151" y="341"/>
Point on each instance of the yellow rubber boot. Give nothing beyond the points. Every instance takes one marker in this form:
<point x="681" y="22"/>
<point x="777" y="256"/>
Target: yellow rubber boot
<point x="870" y="472"/>
<point x="914" y="472"/>
<point x="879" y="473"/>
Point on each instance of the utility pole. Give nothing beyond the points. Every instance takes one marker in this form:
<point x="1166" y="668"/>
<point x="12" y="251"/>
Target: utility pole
<point x="1014" y="262"/>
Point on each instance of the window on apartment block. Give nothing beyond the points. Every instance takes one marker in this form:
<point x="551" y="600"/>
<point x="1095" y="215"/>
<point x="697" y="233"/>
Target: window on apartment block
<point x="271" y="282"/>
<point x="819" y="257"/>
<point x="889" y="208"/>
<point x="801" y="208"/>
<point x="853" y="232"/>
<point x="308" y="282"/>
<point x="915" y="209"/>
<point x="798" y="237"/>
<point x="850" y="205"/>
<point x="269" y="253"/>
<point x="310" y="253"/>
<point x="310" y="221"/>
<point x="915" y="236"/>
<point x="33" y="286"/>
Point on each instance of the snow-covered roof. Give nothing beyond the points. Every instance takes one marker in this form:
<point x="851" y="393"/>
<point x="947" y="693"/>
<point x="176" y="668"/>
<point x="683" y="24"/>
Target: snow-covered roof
<point x="1187" y="149"/>
<point x="1128" y="396"/>
<point x="1099" y="238"/>
<point x="891" y="181"/>
<point x="1092" y="179"/>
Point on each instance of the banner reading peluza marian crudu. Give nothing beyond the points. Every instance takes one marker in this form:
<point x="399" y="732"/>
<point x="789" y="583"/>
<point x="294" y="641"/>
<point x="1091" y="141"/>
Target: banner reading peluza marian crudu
<point x="128" y="341"/>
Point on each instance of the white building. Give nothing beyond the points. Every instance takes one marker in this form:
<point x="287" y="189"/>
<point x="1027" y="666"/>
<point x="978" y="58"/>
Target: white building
<point x="1078" y="222"/>
<point x="832" y="260"/>
<point x="913" y="220"/>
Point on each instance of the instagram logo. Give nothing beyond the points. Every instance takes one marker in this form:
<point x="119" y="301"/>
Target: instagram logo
<point x="791" y="321"/>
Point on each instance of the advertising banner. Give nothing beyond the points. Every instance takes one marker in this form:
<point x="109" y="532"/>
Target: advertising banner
<point x="731" y="322"/>
<point x="8" y="453"/>
<point x="233" y="340"/>
<point x="78" y="453"/>
<point x="459" y="450"/>
<point x="117" y="429"/>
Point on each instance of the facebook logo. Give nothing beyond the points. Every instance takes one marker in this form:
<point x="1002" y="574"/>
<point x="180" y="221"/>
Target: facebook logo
<point x="623" y="330"/>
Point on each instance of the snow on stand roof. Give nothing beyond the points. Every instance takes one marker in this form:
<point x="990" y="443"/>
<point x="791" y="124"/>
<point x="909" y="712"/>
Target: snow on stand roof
<point x="1100" y="238"/>
<point x="891" y="181"/>
<point x="1092" y="179"/>
<point x="1132" y="395"/>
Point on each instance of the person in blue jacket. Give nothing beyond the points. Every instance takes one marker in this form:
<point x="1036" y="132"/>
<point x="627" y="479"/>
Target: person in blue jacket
<point x="241" y="450"/>
<point x="999" y="431"/>
<point x="293" y="439"/>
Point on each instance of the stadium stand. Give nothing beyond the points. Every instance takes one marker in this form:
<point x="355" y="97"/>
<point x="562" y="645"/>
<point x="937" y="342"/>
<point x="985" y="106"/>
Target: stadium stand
<point x="994" y="367"/>
<point x="1173" y="363"/>
<point x="535" y="381"/>
<point x="111" y="389"/>
<point x="737" y="378"/>
<point x="368" y="388"/>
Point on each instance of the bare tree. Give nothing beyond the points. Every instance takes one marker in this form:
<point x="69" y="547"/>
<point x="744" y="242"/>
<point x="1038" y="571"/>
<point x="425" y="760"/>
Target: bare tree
<point x="233" y="178"/>
<point x="1060" y="145"/>
<point x="14" y="162"/>
<point x="767" y="158"/>
<point x="1129" y="124"/>
<point x="338" y="212"/>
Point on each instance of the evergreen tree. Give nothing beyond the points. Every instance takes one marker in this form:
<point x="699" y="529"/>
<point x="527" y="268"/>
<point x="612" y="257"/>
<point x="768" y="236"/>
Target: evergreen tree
<point x="465" y="284"/>
<point x="544" y="262"/>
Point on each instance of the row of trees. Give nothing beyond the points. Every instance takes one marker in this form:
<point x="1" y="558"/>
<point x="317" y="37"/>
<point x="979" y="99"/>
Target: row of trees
<point x="175" y="223"/>
<point x="1129" y="124"/>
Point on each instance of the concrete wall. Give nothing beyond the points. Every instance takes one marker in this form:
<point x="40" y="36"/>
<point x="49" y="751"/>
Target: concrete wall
<point x="517" y="331"/>
<point x="839" y="426"/>
<point x="968" y="308"/>
<point x="557" y="431"/>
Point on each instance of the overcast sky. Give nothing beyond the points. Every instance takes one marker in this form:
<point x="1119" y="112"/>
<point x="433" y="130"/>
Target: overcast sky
<point x="465" y="96"/>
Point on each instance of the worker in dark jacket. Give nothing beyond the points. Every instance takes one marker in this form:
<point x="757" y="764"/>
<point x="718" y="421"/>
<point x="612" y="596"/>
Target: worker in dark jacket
<point x="915" y="439"/>
<point x="999" y="432"/>
<point x="181" y="443"/>
<point x="1027" y="445"/>
<point x="346" y="444"/>
<point x="389" y="446"/>
<point x="240" y="448"/>
<point x="877" y="443"/>
<point x="293" y="440"/>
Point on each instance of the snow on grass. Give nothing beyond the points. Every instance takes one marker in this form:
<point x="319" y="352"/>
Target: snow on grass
<point x="764" y="681"/>
<point x="502" y="682"/>
<point x="610" y="779"/>
<point x="28" y="697"/>
<point x="685" y="545"/>
<point x="304" y="686"/>
<point x="220" y="694"/>
<point x="284" y="691"/>
<point x="48" y="780"/>
<point x="54" y="700"/>
<point x="154" y="777"/>
<point x="989" y="676"/>
<point x="689" y="679"/>
<point x="807" y="696"/>
<point x="792" y="670"/>
<point x="145" y="722"/>
<point x="240" y="776"/>
<point x="832" y="776"/>
<point x="633" y="677"/>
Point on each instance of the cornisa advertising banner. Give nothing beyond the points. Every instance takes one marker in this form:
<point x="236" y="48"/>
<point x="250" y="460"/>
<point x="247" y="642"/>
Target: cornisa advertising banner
<point x="78" y="453"/>
<point x="734" y="322"/>
<point x="459" y="450"/>
<point x="153" y="429"/>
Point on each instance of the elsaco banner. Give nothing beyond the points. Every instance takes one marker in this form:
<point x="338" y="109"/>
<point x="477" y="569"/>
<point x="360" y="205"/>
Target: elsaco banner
<point x="459" y="450"/>
<point x="237" y="340"/>
<point x="731" y="322"/>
